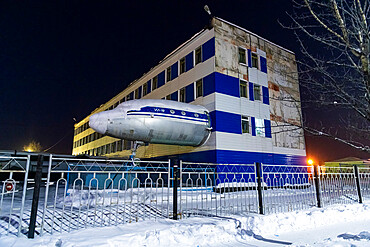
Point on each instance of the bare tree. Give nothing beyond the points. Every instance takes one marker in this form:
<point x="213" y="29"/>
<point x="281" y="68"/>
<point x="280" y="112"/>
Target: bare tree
<point x="335" y="68"/>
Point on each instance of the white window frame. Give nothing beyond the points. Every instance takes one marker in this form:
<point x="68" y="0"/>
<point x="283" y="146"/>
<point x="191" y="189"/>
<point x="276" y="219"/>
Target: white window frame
<point x="184" y="95"/>
<point x="249" y="125"/>
<point x="258" y="59"/>
<point x="246" y="56"/>
<point x="260" y="127"/>
<point x="247" y="87"/>
<point x="142" y="89"/>
<point x="180" y="65"/>
<point x="201" y="56"/>
<point x="168" y="80"/>
<point x="153" y="83"/>
<point x="260" y="92"/>
<point x="195" y="89"/>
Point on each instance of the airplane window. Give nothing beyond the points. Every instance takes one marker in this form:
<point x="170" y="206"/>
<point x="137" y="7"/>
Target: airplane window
<point x="172" y="111"/>
<point x="196" y="115"/>
<point x="183" y="113"/>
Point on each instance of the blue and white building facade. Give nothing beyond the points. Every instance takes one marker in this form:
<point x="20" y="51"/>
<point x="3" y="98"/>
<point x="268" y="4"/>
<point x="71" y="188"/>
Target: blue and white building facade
<point x="248" y="84"/>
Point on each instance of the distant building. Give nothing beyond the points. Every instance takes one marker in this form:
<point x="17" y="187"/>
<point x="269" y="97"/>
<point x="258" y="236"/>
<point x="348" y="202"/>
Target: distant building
<point x="349" y="161"/>
<point x="248" y="84"/>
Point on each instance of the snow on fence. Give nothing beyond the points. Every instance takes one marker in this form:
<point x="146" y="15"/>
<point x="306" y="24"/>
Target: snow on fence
<point x="83" y="193"/>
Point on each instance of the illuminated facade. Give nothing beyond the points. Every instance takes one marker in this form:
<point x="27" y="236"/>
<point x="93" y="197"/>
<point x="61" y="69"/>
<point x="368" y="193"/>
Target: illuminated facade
<point x="248" y="84"/>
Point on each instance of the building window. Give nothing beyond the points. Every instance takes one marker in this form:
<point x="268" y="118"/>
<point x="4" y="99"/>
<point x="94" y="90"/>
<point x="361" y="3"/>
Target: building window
<point x="257" y="92"/>
<point x="129" y="97"/>
<point x="254" y="60"/>
<point x="198" y="55"/>
<point x="168" y="74"/>
<point x="145" y="89"/>
<point x="199" y="88"/>
<point x="260" y="127"/>
<point x="242" y="56"/>
<point x="243" y="89"/>
<point x="182" y="95"/>
<point x="182" y="65"/>
<point x="119" y="145"/>
<point x="155" y="83"/>
<point x="168" y="97"/>
<point x="126" y="145"/>
<point x="245" y="125"/>
<point x="137" y="93"/>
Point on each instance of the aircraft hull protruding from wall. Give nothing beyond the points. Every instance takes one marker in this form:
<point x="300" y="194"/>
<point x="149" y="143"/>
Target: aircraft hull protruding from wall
<point x="155" y="121"/>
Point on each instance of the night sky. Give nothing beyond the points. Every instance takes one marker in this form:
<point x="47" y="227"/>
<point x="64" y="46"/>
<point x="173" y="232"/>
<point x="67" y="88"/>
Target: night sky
<point x="60" y="61"/>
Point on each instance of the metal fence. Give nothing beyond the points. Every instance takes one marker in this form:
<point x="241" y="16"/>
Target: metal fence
<point x="14" y="173"/>
<point x="83" y="193"/>
<point x="91" y="193"/>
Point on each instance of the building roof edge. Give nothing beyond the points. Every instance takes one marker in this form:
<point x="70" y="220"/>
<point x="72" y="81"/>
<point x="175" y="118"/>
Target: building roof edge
<point x="234" y="25"/>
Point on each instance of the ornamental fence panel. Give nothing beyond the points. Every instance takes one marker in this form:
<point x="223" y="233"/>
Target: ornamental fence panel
<point x="66" y="194"/>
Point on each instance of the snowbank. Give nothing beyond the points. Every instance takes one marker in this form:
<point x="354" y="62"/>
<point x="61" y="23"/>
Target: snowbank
<point x="338" y="225"/>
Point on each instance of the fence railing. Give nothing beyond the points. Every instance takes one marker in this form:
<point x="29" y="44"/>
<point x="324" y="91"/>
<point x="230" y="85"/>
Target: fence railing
<point x="83" y="193"/>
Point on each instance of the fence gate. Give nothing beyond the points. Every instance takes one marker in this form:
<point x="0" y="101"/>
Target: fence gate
<point x="15" y="195"/>
<point x="83" y="193"/>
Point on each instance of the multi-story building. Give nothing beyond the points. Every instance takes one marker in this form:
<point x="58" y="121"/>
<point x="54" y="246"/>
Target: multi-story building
<point x="249" y="85"/>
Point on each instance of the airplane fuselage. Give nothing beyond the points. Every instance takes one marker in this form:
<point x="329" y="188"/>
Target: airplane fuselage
<point x="155" y="121"/>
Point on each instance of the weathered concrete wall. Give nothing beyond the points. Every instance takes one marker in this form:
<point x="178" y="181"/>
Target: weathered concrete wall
<point x="285" y="107"/>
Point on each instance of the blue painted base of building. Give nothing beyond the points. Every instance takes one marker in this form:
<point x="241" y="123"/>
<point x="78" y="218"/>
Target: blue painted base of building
<point x="239" y="157"/>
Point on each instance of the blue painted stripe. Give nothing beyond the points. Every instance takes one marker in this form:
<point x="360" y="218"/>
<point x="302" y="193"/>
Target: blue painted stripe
<point x="251" y="94"/>
<point x="167" y="116"/>
<point x="265" y="95"/>
<point x="208" y="49"/>
<point x="253" y="123"/>
<point x="227" y="84"/>
<point x="239" y="157"/>
<point x="163" y="110"/>
<point x="189" y="61"/>
<point x="161" y="77"/>
<point x="249" y="58"/>
<point x="140" y="89"/>
<point x="209" y="84"/>
<point x="174" y="70"/>
<point x="189" y="93"/>
<point x="130" y="96"/>
<point x="175" y="96"/>
<point x="149" y="88"/>
<point x="267" y="128"/>
<point x="226" y="122"/>
<point x="263" y="64"/>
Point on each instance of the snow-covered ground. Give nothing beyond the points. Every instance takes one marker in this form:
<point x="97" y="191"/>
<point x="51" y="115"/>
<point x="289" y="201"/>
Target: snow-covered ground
<point x="336" y="225"/>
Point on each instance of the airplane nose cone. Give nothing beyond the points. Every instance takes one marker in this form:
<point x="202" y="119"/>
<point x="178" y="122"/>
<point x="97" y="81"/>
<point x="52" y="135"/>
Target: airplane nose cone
<point x="99" y="122"/>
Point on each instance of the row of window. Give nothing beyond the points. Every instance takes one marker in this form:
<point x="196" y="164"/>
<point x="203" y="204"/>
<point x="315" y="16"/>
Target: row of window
<point x="188" y="93"/>
<point x="82" y="128"/>
<point x="179" y="95"/>
<point x="256" y="90"/>
<point x="89" y="138"/>
<point x="183" y="65"/>
<point x="254" y="61"/>
<point x="113" y="147"/>
<point x="259" y="126"/>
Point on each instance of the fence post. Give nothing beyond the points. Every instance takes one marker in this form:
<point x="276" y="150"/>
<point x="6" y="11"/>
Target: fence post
<point x="317" y="185"/>
<point x="35" y="199"/>
<point x="175" y="186"/>
<point x="357" y="177"/>
<point x="259" y="187"/>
